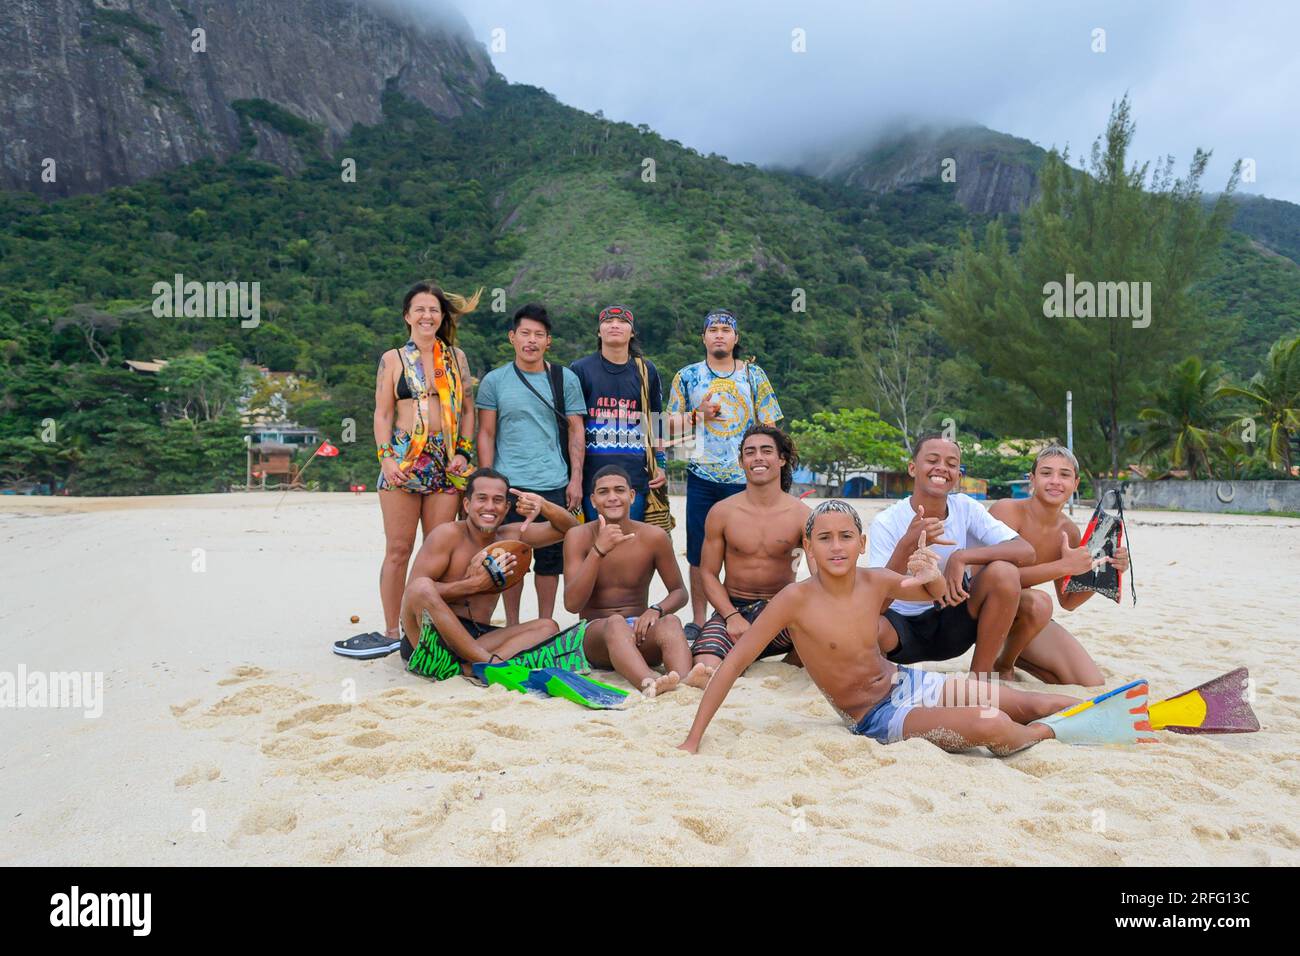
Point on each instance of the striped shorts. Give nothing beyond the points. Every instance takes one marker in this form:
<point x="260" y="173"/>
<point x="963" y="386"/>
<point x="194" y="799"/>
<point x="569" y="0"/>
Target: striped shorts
<point x="715" y="640"/>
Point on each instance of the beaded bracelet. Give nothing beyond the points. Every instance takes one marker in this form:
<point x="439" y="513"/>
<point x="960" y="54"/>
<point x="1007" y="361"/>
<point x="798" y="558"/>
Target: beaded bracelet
<point x="385" y="451"/>
<point x="465" y="447"/>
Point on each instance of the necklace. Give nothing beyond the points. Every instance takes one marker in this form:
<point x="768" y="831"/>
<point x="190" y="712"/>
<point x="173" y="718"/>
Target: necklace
<point x="734" y="366"/>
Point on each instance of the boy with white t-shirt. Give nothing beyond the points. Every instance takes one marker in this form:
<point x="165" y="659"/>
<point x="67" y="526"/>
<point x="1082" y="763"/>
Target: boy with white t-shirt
<point x="979" y="605"/>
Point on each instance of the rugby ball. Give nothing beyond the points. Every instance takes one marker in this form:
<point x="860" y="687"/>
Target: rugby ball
<point x="492" y="555"/>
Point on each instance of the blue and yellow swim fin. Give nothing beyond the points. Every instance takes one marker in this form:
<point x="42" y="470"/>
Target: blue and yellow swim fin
<point x="1118" y="716"/>
<point x="1219" y="706"/>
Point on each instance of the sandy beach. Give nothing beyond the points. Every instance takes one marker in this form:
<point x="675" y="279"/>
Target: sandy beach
<point x="230" y="734"/>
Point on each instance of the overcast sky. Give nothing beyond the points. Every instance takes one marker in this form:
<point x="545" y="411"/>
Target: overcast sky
<point x="720" y="75"/>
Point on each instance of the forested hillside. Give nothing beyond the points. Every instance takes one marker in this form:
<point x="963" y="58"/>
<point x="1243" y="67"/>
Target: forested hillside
<point x="528" y="196"/>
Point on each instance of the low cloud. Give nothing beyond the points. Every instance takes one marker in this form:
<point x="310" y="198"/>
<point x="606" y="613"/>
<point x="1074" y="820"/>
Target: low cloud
<point x="722" y="77"/>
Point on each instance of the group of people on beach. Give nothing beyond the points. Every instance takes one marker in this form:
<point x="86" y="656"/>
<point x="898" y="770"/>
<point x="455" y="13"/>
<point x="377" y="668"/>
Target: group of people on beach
<point x="570" y="459"/>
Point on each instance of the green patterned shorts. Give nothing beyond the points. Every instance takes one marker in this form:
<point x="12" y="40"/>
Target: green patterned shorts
<point x="433" y="659"/>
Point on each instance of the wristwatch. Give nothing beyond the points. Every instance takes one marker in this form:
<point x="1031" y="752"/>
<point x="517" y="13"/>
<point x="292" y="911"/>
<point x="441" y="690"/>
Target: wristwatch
<point x="656" y="607"/>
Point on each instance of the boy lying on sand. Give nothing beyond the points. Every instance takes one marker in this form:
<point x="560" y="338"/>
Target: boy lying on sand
<point x="832" y="619"/>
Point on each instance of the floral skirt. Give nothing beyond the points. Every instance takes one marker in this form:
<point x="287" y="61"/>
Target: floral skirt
<point x="429" y="475"/>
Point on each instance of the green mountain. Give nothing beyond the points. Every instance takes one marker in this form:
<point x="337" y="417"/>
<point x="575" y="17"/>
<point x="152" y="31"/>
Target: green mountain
<point x="1255" y="287"/>
<point x="1273" y="223"/>
<point x="526" y="195"/>
<point x="534" y="201"/>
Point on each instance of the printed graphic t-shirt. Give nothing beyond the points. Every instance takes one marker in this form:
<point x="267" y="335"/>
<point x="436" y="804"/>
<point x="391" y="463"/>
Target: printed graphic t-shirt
<point x="527" y="447"/>
<point x="615" y="426"/>
<point x="716" y="454"/>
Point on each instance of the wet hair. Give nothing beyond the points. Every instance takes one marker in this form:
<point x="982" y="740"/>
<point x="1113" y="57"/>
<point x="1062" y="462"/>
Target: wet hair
<point x="1057" y="451"/>
<point x="931" y="436"/>
<point x="453" y="307"/>
<point x="834" y="506"/>
<point x="608" y="470"/>
<point x="532" y="311"/>
<point x="482" y="473"/>
<point x="784" y="447"/>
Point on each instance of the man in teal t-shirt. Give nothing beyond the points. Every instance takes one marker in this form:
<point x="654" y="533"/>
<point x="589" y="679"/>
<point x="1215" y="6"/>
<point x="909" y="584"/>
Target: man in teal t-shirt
<point x="520" y="433"/>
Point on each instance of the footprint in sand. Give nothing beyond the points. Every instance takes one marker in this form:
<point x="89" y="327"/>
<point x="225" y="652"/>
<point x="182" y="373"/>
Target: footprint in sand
<point x="251" y="700"/>
<point x="602" y="730"/>
<point x="509" y="731"/>
<point x="924" y="804"/>
<point x="371" y="739"/>
<point x="196" y="775"/>
<point x="240" y="674"/>
<point x="393" y="703"/>
<point x="312" y="715"/>
<point x="267" y="818"/>
<point x="179" y="709"/>
<point x="838" y="751"/>
<point x="565" y="823"/>
<point x="708" y="831"/>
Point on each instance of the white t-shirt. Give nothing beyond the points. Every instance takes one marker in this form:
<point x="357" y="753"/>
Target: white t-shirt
<point x="968" y="524"/>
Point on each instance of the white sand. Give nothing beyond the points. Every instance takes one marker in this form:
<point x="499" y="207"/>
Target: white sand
<point x="224" y="706"/>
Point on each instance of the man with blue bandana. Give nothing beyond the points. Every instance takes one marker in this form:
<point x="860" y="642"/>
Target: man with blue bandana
<point x="715" y="401"/>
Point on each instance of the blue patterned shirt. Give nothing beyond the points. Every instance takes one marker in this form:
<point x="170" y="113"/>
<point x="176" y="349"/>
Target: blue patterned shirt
<point x="716" y="455"/>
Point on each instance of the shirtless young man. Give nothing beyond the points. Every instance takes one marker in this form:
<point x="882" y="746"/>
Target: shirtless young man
<point x="608" y="565"/>
<point x="1040" y="645"/>
<point x="450" y="596"/>
<point x="832" y="618"/>
<point x="756" y="536"/>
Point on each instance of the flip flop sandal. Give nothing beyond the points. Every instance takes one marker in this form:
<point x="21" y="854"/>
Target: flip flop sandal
<point x="366" y="647"/>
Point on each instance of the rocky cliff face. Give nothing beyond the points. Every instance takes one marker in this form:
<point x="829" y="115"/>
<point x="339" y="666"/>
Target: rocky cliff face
<point x="993" y="173"/>
<point x="115" y="90"/>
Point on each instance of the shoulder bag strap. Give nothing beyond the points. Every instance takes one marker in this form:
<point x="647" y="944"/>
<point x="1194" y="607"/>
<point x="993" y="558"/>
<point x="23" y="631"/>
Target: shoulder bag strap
<point x="645" y="414"/>
<point x="753" y="389"/>
<point x="561" y="422"/>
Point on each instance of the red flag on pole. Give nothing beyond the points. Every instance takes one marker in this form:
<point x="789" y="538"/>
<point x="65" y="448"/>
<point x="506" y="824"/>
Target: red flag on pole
<point x="326" y="450"/>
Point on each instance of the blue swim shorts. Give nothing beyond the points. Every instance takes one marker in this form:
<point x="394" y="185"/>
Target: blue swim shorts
<point x="913" y="688"/>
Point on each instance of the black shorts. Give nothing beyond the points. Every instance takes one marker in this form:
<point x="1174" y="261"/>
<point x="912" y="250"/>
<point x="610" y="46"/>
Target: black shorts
<point x="550" y="559"/>
<point x="476" y="630"/>
<point x="939" y="634"/>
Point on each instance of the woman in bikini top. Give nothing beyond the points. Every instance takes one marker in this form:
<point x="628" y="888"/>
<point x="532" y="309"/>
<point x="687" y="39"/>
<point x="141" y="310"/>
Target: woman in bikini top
<point x="424" y="424"/>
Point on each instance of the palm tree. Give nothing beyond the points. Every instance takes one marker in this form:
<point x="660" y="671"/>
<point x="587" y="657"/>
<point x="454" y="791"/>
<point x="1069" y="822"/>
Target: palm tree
<point x="1274" y="396"/>
<point x="1185" y="416"/>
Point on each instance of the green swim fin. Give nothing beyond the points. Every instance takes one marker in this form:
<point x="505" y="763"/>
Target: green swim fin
<point x="508" y="675"/>
<point x="581" y="690"/>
